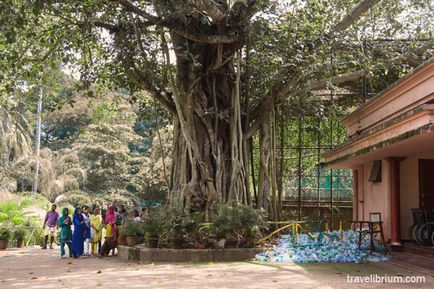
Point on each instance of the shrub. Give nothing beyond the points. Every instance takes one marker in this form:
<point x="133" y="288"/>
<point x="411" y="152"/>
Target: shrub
<point x="201" y="231"/>
<point x="5" y="233"/>
<point x="252" y="221"/>
<point x="238" y="222"/>
<point x="20" y="234"/>
<point x="131" y="229"/>
<point x="204" y="233"/>
<point x="226" y="222"/>
<point x="153" y="224"/>
<point x="11" y="212"/>
<point x="37" y="237"/>
<point x="178" y="224"/>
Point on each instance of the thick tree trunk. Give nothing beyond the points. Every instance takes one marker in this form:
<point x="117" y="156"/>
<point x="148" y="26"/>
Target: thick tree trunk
<point x="208" y="157"/>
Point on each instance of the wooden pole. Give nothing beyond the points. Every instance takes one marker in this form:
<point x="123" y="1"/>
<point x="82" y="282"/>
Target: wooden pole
<point x="395" y="218"/>
<point x="355" y="197"/>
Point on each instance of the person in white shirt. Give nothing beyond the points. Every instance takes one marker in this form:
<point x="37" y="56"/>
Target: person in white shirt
<point x="135" y="216"/>
<point x="86" y="217"/>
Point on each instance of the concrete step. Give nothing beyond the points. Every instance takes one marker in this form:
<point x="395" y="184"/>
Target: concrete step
<point x="419" y="250"/>
<point x="413" y="261"/>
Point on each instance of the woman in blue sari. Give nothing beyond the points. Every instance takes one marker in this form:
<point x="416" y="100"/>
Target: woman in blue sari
<point x="79" y="233"/>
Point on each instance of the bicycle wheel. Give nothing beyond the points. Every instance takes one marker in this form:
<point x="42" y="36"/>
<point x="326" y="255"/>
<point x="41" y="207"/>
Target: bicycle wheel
<point x="411" y="234"/>
<point x="415" y="236"/>
<point x="422" y="235"/>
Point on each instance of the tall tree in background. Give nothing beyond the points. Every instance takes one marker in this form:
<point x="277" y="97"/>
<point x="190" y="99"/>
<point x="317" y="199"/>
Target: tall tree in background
<point x="219" y="67"/>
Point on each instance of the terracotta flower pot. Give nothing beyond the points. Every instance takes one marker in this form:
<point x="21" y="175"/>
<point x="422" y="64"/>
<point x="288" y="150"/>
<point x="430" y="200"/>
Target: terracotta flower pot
<point x="251" y="242"/>
<point x="152" y="242"/>
<point x="121" y="240"/>
<point x="20" y="243"/>
<point x="178" y="243"/>
<point x="3" y="244"/>
<point x="200" y="245"/>
<point x="131" y="241"/>
<point x="231" y="244"/>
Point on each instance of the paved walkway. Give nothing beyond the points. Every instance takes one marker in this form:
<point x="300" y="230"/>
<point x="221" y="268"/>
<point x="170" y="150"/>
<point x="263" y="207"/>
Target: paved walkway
<point x="36" y="268"/>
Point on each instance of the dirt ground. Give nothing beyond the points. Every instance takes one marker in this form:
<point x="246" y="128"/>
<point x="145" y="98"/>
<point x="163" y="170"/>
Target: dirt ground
<point x="35" y="268"/>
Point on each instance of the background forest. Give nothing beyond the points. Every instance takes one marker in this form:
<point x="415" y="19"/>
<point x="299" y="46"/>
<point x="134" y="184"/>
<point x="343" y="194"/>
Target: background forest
<point x="96" y="149"/>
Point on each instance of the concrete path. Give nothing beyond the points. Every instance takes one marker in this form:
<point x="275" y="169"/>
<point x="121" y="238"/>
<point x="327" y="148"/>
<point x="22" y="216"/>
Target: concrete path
<point x="35" y="268"/>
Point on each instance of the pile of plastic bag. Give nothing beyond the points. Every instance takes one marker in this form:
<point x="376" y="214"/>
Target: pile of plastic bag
<point x="323" y="247"/>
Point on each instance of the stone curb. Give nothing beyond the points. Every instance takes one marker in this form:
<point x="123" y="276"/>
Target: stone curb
<point x="144" y="254"/>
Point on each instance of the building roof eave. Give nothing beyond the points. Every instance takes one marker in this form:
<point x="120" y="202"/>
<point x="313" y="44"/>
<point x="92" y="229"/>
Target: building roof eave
<point x="425" y="129"/>
<point x="388" y="91"/>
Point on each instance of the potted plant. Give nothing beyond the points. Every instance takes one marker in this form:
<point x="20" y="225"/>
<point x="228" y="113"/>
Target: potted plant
<point x="198" y="237"/>
<point x="5" y="235"/>
<point x="132" y="232"/>
<point x="153" y="227"/>
<point x="225" y="221"/>
<point x="252" y="222"/>
<point x="178" y="226"/>
<point x="203" y="235"/>
<point x="121" y="238"/>
<point x="237" y="225"/>
<point x="20" y="235"/>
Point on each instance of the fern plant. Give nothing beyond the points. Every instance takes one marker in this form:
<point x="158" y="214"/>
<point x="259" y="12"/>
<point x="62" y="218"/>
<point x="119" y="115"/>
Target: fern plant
<point x="5" y="234"/>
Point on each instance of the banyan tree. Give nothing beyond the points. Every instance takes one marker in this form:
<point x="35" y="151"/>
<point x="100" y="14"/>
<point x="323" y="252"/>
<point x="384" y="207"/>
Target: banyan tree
<point x="220" y="67"/>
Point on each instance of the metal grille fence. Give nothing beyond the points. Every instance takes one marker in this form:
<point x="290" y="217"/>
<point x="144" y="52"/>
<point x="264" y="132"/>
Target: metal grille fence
<point x="324" y="194"/>
<point x="309" y="127"/>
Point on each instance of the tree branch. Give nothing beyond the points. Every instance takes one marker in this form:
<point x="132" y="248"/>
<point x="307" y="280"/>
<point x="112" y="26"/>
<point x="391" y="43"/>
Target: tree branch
<point x="209" y="7"/>
<point x="430" y="6"/>
<point x="410" y="57"/>
<point x="244" y="10"/>
<point x="212" y="9"/>
<point x="143" y="78"/>
<point x="130" y="7"/>
<point x="261" y="111"/>
<point x="210" y="39"/>
<point x="278" y="91"/>
<point x="158" y="95"/>
<point x="265" y="107"/>
<point x="153" y="20"/>
<point x="354" y="15"/>
<point x="112" y="28"/>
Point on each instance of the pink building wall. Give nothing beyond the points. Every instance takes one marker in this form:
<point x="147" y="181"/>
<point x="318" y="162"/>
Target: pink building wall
<point x="374" y="197"/>
<point x="410" y="189"/>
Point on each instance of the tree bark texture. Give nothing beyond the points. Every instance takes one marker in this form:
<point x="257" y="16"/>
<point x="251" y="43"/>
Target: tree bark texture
<point x="264" y="184"/>
<point x="208" y="151"/>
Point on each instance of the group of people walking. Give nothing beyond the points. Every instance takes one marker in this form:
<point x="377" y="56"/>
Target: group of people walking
<point x="87" y="236"/>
